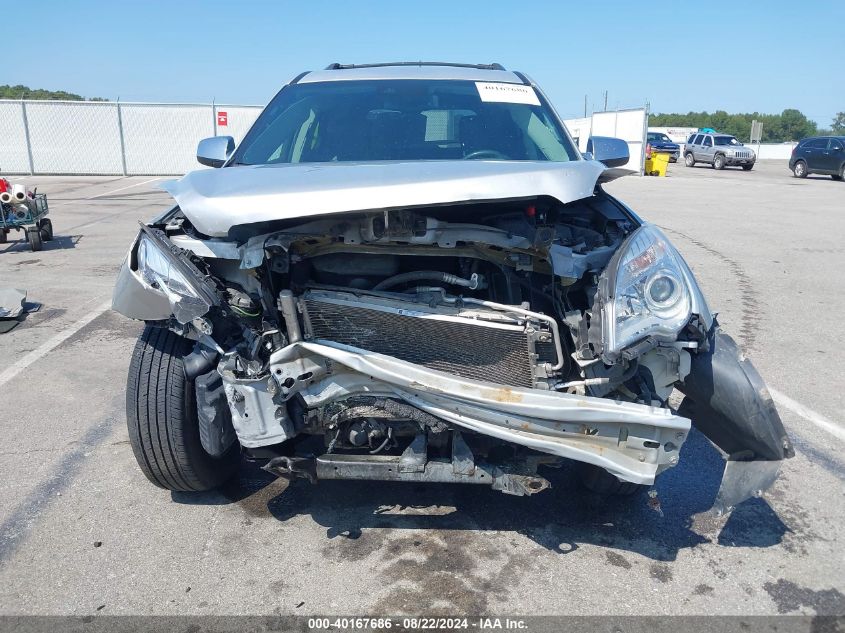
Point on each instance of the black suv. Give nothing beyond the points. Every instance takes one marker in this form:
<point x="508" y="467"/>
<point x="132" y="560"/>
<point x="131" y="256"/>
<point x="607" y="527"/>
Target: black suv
<point x="819" y="155"/>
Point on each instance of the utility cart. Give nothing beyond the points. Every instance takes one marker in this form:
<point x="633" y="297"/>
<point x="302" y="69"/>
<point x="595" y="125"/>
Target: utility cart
<point x="28" y="216"/>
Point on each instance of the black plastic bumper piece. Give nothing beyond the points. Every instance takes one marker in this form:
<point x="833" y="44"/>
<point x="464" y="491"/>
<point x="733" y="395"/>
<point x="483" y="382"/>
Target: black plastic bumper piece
<point x="727" y="401"/>
<point x="732" y="405"/>
<point x="215" y="421"/>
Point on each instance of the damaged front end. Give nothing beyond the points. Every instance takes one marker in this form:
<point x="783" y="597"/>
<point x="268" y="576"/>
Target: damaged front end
<point x="469" y="342"/>
<point x="646" y="296"/>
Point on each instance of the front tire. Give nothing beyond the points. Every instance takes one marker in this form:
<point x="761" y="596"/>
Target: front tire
<point x="689" y="160"/>
<point x="800" y="169"/>
<point x="601" y="482"/>
<point x="719" y="162"/>
<point x="748" y="167"/>
<point x="161" y="413"/>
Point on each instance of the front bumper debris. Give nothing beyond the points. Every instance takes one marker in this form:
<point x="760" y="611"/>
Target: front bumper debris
<point x="730" y="405"/>
<point x="632" y="441"/>
<point x="743" y="480"/>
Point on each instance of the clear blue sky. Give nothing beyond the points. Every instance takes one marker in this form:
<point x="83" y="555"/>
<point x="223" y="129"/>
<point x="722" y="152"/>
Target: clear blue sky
<point x="739" y="56"/>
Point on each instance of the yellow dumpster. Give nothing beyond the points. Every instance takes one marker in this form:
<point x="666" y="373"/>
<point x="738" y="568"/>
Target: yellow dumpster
<point x="656" y="163"/>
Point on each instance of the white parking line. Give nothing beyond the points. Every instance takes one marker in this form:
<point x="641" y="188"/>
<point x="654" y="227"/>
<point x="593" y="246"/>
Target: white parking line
<point x="799" y="409"/>
<point x="135" y="184"/>
<point x="53" y="342"/>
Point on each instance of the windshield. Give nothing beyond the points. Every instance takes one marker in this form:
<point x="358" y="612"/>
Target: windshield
<point x="726" y="140"/>
<point x="654" y="136"/>
<point x="391" y="120"/>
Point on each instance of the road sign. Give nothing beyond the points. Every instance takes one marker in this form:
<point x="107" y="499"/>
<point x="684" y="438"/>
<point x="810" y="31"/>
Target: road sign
<point x="756" y="131"/>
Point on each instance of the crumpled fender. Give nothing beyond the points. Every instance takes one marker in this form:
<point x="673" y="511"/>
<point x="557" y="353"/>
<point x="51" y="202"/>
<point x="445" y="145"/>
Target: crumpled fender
<point x="732" y="407"/>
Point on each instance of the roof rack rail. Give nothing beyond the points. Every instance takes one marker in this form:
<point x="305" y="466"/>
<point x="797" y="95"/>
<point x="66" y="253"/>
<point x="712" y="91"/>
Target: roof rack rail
<point x="337" y="66"/>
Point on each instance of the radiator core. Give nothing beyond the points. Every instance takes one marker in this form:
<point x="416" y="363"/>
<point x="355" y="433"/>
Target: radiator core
<point x="469" y="348"/>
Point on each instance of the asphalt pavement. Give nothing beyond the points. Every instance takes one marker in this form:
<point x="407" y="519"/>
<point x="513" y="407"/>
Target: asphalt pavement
<point x="83" y="532"/>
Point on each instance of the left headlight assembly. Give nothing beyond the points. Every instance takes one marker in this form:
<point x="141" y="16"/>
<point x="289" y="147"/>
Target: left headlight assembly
<point x="647" y="290"/>
<point x="168" y="273"/>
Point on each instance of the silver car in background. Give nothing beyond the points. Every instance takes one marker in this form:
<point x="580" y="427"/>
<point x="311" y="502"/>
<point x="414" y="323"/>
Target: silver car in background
<point x="718" y="150"/>
<point x="408" y="272"/>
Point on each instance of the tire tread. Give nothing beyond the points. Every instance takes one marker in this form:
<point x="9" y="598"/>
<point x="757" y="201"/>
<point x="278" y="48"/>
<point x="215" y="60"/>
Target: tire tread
<point x="161" y="418"/>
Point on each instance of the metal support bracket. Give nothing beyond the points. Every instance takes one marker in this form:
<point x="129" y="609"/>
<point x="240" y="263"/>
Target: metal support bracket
<point x="414" y="457"/>
<point x="515" y="478"/>
<point x="292" y="467"/>
<point x="463" y="462"/>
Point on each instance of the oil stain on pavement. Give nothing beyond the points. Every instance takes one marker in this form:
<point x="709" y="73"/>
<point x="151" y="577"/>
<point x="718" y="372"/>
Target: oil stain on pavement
<point x="790" y="597"/>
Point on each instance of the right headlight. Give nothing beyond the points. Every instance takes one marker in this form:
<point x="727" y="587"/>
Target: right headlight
<point x="166" y="273"/>
<point x="647" y="292"/>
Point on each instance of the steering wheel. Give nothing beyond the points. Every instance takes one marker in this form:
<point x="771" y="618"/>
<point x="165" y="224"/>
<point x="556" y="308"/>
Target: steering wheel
<point x="486" y="153"/>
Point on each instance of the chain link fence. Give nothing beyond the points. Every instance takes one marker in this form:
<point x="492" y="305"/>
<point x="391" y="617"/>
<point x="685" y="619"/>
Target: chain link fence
<point x="111" y="138"/>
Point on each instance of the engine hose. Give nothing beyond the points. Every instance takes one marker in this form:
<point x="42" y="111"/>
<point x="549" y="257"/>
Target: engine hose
<point x="473" y="283"/>
<point x="385" y="442"/>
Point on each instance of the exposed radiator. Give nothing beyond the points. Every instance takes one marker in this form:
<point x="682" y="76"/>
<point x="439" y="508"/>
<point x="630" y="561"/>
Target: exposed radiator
<point x="494" y="352"/>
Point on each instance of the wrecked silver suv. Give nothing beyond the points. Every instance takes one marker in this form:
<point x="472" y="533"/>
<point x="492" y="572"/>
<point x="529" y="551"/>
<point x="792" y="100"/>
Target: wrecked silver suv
<point x="408" y="272"/>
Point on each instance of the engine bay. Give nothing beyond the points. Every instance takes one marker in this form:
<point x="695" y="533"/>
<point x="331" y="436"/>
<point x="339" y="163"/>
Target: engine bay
<point x="379" y="330"/>
<point x="533" y="264"/>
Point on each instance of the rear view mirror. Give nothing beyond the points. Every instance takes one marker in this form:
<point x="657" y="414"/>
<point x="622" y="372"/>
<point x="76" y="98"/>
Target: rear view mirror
<point x="613" y="152"/>
<point x="215" y="151"/>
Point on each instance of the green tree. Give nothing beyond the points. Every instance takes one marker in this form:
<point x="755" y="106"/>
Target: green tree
<point x="25" y="92"/>
<point x="838" y="125"/>
<point x="789" y="125"/>
<point x="795" y="126"/>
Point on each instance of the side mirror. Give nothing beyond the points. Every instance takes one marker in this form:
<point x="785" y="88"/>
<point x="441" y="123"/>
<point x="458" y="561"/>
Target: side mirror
<point x="613" y="152"/>
<point x="215" y="151"/>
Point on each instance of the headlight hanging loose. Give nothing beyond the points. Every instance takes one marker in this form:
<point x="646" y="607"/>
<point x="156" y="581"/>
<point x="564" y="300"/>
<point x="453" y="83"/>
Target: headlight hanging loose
<point x="646" y="292"/>
<point x="161" y="270"/>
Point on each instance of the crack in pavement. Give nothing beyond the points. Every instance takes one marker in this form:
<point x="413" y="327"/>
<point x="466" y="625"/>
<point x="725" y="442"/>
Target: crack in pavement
<point x="34" y="450"/>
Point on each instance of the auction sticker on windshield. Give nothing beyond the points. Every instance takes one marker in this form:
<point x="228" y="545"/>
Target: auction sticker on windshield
<point x="506" y="93"/>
